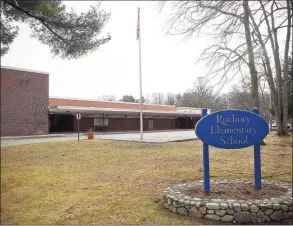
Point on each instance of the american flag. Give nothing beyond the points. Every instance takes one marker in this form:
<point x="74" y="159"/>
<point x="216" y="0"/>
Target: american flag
<point x="138" y="26"/>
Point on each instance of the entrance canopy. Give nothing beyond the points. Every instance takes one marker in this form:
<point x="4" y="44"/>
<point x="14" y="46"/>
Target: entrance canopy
<point x="96" y="112"/>
<point x="95" y="108"/>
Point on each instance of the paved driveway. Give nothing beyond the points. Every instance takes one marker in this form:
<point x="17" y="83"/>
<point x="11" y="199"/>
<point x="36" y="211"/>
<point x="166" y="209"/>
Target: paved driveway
<point x="151" y="137"/>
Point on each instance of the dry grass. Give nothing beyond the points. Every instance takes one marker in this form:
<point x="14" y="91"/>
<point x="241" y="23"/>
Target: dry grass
<point x="107" y="182"/>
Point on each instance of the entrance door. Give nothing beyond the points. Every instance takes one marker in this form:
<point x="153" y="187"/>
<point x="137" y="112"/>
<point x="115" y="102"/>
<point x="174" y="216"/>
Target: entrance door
<point x="61" y="123"/>
<point x="150" y="124"/>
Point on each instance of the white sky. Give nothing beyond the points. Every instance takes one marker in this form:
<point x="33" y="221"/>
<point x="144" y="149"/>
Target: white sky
<point x="168" y="62"/>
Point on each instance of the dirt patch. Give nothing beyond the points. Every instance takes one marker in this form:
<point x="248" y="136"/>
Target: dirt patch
<point x="283" y="155"/>
<point x="239" y="190"/>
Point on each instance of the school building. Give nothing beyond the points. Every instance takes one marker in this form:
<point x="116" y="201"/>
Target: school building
<point x="27" y="109"/>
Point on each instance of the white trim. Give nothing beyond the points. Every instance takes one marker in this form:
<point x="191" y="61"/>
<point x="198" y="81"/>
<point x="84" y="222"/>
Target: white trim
<point x="115" y="102"/>
<point x="25" y="70"/>
<point x="117" y="110"/>
<point x="190" y="108"/>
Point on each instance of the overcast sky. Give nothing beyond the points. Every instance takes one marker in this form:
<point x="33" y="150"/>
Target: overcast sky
<point x="168" y="62"/>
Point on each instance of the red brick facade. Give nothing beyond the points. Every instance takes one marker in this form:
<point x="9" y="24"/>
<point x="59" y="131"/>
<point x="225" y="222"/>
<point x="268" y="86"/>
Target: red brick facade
<point x="24" y="102"/>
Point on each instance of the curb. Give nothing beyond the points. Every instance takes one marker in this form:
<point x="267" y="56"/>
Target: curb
<point x="31" y="137"/>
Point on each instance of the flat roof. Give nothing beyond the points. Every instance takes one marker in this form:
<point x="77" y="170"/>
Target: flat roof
<point x="107" y="101"/>
<point x="91" y="106"/>
<point x="107" y="104"/>
<point x="23" y="69"/>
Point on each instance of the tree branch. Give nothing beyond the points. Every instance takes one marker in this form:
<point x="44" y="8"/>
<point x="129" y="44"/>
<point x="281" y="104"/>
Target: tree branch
<point x="221" y="11"/>
<point x="40" y="19"/>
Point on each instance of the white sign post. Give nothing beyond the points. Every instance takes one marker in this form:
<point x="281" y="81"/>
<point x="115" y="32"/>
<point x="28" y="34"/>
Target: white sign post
<point x="78" y="117"/>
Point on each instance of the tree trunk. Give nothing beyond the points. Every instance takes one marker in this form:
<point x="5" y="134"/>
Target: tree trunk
<point x="281" y="88"/>
<point x="251" y="60"/>
<point x="285" y="88"/>
<point x="271" y="116"/>
<point x="276" y="54"/>
<point x="269" y="76"/>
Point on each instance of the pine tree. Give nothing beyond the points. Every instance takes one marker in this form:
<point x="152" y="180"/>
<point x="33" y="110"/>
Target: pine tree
<point x="68" y="34"/>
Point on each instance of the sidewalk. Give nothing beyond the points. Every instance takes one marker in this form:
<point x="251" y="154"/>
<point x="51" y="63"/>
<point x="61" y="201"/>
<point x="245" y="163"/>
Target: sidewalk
<point x="32" y="136"/>
<point x="149" y="137"/>
<point x="74" y="134"/>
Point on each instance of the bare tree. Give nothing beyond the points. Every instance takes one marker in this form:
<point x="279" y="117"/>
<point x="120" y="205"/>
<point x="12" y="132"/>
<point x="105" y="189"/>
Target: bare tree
<point x="158" y="98"/>
<point x="240" y="96"/>
<point x="148" y="100"/>
<point x="251" y="58"/>
<point x="178" y="100"/>
<point x="201" y="96"/>
<point x="286" y="65"/>
<point x="278" y="90"/>
<point x="241" y="30"/>
<point x="170" y="99"/>
<point x="223" y="102"/>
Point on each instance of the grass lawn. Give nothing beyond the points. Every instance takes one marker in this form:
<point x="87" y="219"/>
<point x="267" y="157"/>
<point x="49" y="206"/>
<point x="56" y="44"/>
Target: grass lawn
<point x="108" y="182"/>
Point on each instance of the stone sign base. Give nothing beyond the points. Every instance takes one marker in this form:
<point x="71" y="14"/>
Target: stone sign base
<point x="236" y="211"/>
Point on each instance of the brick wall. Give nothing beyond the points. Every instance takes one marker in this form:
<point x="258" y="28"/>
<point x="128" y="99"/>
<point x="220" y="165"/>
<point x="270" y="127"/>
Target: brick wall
<point x="162" y="124"/>
<point x="84" y="124"/>
<point x="24" y="102"/>
<point x="124" y="124"/>
<point x="195" y="120"/>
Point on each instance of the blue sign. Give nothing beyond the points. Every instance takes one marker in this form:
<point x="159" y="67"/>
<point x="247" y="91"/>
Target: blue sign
<point x="232" y="129"/>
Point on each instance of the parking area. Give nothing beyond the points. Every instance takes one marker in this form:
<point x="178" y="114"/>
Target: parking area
<point x="150" y="137"/>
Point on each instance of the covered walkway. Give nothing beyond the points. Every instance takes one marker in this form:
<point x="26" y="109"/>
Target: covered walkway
<point x="118" y="116"/>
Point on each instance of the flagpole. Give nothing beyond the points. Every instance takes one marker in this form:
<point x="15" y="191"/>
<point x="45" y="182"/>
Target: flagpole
<point x="140" y="81"/>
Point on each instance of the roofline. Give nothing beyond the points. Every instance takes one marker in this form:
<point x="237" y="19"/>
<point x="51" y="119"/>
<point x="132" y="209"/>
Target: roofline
<point x="191" y="108"/>
<point x="115" y="102"/>
<point x="23" y="69"/>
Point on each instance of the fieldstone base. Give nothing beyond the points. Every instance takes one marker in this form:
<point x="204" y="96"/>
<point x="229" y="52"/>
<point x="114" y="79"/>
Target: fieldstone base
<point x="236" y="211"/>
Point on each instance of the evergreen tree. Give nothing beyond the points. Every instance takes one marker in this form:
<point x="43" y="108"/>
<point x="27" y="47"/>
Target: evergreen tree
<point x="68" y="34"/>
